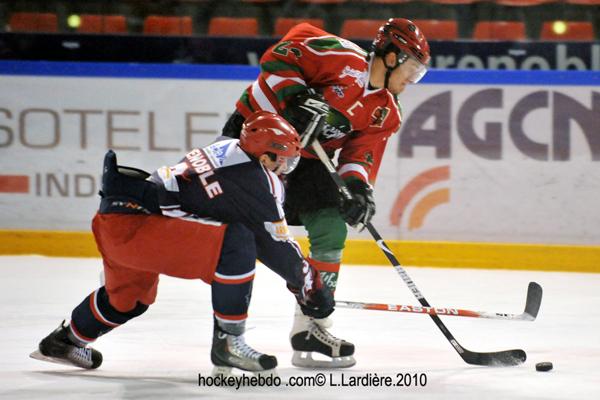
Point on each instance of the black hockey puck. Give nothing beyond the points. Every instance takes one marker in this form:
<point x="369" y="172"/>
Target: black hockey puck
<point x="543" y="366"/>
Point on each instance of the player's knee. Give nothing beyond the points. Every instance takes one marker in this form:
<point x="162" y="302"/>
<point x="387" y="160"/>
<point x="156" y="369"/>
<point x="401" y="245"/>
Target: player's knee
<point x="117" y="316"/>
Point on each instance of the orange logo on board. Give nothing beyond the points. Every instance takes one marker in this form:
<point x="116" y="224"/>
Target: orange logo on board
<point x="431" y="200"/>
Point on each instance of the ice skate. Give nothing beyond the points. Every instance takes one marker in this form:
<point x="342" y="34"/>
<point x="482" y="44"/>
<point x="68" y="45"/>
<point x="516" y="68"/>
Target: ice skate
<point x="231" y="351"/>
<point x="310" y="335"/>
<point x="62" y="348"/>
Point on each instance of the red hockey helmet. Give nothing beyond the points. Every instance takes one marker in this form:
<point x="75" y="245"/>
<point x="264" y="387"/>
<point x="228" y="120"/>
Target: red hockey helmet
<point x="403" y="37"/>
<point x="265" y="132"/>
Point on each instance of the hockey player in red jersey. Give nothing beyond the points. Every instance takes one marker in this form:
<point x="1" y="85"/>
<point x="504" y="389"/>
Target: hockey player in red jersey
<point x="333" y="91"/>
<point x="209" y="217"/>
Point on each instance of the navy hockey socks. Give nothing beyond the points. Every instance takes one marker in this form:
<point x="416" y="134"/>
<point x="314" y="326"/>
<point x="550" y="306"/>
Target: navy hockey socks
<point x="95" y="316"/>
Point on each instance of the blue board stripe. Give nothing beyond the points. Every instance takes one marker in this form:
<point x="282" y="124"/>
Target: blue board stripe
<point x="513" y="77"/>
<point x="128" y="70"/>
<point x="249" y="73"/>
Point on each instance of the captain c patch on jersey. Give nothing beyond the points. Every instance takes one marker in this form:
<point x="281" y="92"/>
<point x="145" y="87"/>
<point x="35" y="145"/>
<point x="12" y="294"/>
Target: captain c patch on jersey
<point x="379" y="115"/>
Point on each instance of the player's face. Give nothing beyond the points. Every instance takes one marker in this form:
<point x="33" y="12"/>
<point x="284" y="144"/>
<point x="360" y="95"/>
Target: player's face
<point x="281" y="165"/>
<point x="410" y="71"/>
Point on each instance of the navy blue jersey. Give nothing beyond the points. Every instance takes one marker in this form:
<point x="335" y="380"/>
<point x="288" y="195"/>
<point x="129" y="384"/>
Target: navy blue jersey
<point x="220" y="183"/>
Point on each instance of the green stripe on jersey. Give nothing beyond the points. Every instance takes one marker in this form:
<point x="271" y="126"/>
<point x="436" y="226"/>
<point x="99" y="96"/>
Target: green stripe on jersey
<point x="273" y="67"/>
<point x="289" y="91"/>
<point x="245" y="100"/>
<point x="337" y="44"/>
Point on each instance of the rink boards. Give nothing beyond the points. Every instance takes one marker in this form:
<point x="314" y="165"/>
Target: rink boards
<point x="490" y="168"/>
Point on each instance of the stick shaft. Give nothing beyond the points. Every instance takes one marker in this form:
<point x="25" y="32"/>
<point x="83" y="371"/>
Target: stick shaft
<point x="443" y="311"/>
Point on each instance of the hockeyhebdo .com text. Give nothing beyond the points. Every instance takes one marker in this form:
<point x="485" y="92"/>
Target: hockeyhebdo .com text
<point x="320" y="379"/>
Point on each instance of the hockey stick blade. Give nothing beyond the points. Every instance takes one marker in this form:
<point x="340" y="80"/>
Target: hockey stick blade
<point x="506" y="358"/>
<point x="532" y="306"/>
<point x="533" y="302"/>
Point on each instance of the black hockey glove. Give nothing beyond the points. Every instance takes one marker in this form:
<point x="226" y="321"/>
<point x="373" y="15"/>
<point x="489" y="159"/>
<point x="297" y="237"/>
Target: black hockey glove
<point x="307" y="112"/>
<point x="361" y="208"/>
<point x="314" y="298"/>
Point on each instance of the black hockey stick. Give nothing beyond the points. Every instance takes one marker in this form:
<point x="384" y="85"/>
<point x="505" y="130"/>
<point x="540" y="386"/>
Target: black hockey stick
<point x="499" y="358"/>
<point x="532" y="306"/>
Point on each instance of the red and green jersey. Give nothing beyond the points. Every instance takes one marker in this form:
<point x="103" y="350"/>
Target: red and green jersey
<point x="360" y="119"/>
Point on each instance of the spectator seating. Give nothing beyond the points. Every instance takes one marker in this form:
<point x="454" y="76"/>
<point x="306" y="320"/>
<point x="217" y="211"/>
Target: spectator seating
<point x="437" y="29"/>
<point x="229" y="26"/>
<point x="33" y="22"/>
<point x="323" y="1"/>
<point x="355" y="19"/>
<point x="94" y="23"/>
<point x="455" y="1"/>
<point x="584" y="2"/>
<point x="283" y="25"/>
<point x="361" y="28"/>
<point x="167" y="25"/>
<point x="499" y="30"/>
<point x="573" y="30"/>
<point x="523" y="3"/>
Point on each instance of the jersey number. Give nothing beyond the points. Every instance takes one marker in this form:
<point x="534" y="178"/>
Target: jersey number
<point x="283" y="49"/>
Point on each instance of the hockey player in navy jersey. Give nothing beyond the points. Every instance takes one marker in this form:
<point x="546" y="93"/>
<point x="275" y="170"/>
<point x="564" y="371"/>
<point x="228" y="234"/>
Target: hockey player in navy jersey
<point x="209" y="217"/>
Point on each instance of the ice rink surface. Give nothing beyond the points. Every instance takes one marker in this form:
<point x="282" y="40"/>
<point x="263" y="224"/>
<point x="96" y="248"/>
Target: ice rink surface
<point x="160" y="354"/>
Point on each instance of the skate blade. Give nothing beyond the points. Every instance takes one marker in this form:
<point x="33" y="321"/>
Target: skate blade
<point x="39" y="356"/>
<point x="304" y="359"/>
<point x="222" y="371"/>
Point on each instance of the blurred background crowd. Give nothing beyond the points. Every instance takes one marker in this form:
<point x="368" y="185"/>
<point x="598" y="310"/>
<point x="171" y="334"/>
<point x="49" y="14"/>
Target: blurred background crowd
<point x="512" y="20"/>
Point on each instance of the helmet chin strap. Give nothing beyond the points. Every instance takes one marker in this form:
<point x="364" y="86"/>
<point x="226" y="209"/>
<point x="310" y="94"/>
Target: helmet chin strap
<point x="389" y="70"/>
